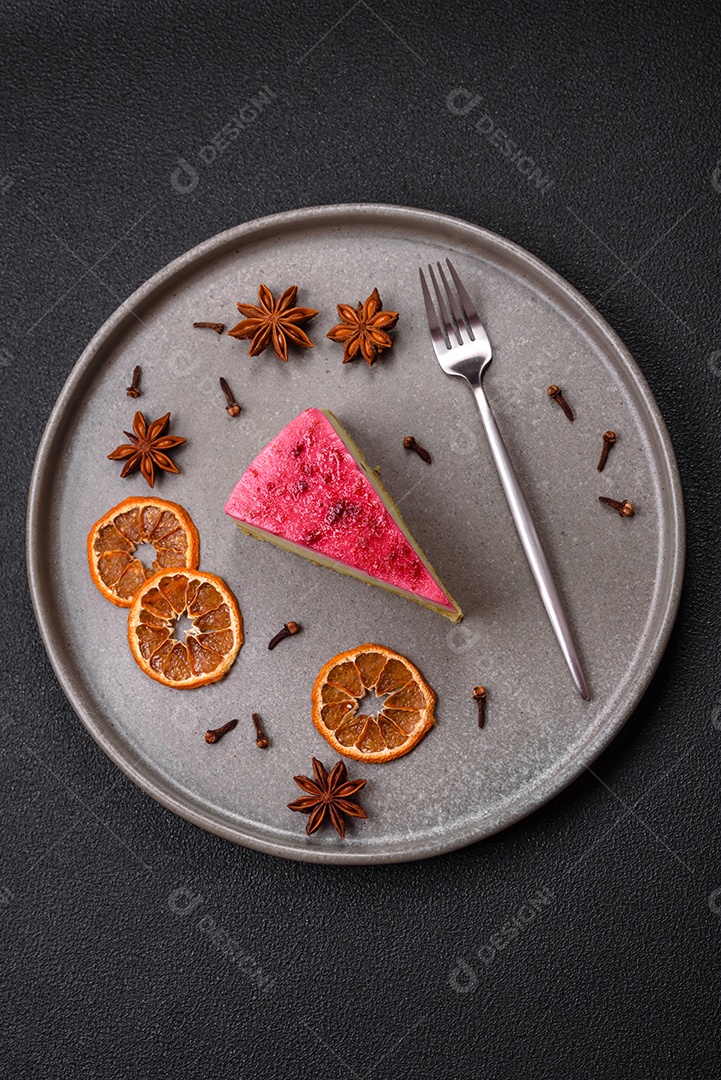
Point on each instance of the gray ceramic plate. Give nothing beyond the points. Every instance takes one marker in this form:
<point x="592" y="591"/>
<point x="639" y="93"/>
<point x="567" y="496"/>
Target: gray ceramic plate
<point x="620" y="579"/>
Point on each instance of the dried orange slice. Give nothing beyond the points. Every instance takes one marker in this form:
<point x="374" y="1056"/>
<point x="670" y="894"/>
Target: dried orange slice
<point x="211" y="642"/>
<point x="113" y="540"/>
<point x="387" y="729"/>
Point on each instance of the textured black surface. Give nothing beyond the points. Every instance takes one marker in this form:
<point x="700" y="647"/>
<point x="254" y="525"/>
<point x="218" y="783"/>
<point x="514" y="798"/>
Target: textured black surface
<point x="583" y="941"/>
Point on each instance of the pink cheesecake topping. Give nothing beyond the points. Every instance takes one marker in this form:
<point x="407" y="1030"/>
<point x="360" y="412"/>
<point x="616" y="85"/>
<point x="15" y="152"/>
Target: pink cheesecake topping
<point x="307" y="488"/>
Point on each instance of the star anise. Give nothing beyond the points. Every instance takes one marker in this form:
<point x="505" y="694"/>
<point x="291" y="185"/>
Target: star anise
<point x="146" y="448"/>
<point x="363" y="329"/>
<point x="330" y="793"/>
<point x="273" y="320"/>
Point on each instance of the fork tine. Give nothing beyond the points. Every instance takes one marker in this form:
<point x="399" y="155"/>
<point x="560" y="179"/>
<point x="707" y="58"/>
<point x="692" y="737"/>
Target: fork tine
<point x="472" y="315"/>
<point x="434" y="326"/>
<point x="457" y="314"/>
<point x="445" y="319"/>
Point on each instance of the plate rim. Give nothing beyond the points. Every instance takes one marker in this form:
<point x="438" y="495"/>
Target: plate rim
<point x="550" y="784"/>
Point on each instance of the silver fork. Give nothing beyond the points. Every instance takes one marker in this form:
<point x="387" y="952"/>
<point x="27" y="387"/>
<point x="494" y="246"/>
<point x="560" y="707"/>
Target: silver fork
<point x="469" y="359"/>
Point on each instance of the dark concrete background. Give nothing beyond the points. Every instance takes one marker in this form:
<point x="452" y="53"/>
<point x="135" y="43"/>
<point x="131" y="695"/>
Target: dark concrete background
<point x="584" y="941"/>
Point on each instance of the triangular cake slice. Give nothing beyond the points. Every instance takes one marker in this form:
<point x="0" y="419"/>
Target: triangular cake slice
<point x="312" y="492"/>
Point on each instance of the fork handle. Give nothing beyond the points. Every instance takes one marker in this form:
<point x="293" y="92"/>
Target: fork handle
<point x="531" y="543"/>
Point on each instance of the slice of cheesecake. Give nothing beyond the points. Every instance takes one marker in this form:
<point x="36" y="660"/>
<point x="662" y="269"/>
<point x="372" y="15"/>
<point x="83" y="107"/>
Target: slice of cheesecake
<point x="311" y="491"/>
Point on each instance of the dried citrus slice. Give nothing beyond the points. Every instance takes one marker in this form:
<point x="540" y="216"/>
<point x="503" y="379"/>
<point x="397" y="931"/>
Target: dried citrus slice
<point x="210" y="644"/>
<point x="113" y="541"/>
<point x="359" y="727"/>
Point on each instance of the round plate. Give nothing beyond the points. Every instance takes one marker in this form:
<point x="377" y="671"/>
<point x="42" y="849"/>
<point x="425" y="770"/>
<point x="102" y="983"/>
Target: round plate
<point x="619" y="579"/>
